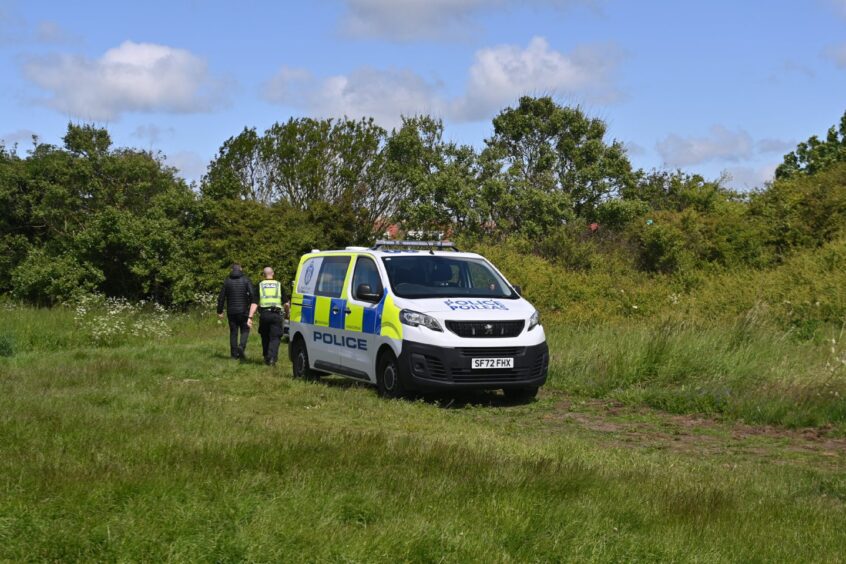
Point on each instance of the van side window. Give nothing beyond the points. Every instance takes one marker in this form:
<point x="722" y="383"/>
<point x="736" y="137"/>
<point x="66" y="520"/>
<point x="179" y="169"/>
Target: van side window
<point x="366" y="273"/>
<point x="330" y="280"/>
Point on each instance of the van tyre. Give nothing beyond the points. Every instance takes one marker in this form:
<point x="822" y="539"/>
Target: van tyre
<point x="388" y="379"/>
<point x="521" y="394"/>
<point x="299" y="357"/>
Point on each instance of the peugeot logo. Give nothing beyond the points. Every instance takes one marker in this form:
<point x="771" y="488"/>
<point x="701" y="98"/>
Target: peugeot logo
<point x="488" y="329"/>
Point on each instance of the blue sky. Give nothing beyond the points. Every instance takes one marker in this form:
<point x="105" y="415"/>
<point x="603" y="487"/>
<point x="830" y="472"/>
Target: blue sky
<point x="703" y="86"/>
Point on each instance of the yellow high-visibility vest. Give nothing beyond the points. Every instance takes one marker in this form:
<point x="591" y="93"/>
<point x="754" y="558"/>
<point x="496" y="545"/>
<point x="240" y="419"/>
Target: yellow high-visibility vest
<point x="270" y="294"/>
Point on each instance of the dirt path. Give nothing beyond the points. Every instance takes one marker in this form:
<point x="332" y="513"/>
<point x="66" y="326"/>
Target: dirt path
<point x="644" y="428"/>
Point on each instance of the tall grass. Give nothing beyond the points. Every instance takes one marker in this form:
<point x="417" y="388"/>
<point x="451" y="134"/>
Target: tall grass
<point x="744" y="370"/>
<point x="805" y="294"/>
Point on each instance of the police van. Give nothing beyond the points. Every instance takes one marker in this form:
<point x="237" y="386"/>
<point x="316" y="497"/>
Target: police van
<point x="414" y="316"/>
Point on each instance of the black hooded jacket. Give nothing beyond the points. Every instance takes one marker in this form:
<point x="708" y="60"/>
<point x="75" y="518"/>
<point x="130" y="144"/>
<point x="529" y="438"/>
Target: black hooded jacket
<point x="238" y="294"/>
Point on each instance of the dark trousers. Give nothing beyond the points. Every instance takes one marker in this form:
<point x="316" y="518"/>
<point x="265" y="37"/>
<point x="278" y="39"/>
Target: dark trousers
<point x="238" y="323"/>
<point x="270" y="329"/>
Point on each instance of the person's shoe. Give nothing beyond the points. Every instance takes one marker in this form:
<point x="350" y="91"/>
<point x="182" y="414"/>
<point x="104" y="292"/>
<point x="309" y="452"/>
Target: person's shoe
<point x="241" y="354"/>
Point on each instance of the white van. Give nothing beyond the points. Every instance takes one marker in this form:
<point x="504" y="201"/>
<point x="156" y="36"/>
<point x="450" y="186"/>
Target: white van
<point x="414" y="316"/>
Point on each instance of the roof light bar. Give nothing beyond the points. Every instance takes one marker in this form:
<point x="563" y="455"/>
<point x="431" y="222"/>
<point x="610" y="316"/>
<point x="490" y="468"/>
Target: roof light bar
<point x="415" y="244"/>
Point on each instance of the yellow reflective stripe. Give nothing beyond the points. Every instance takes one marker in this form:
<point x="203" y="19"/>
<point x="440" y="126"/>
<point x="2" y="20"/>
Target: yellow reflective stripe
<point x="355" y="319"/>
<point x="348" y="277"/>
<point x="321" y="310"/>
<point x="391" y="326"/>
<point x="296" y="314"/>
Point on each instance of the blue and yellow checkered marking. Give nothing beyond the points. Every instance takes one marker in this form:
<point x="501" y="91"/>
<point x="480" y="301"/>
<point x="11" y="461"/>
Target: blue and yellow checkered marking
<point x="337" y="315"/>
<point x="331" y="312"/>
<point x="308" y="310"/>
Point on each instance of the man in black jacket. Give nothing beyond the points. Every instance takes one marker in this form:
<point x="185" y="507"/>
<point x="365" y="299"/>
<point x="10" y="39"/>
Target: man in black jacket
<point x="238" y="293"/>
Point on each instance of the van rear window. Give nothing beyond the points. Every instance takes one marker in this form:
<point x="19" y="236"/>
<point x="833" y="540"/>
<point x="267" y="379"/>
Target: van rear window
<point x="330" y="280"/>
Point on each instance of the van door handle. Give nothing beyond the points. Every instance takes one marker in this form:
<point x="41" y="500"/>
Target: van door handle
<point x="348" y="311"/>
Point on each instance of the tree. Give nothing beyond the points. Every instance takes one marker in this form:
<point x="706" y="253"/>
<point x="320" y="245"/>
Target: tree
<point x="240" y="170"/>
<point x="304" y="162"/>
<point x="815" y="155"/>
<point x="87" y="217"/>
<point x="546" y="161"/>
<point x="440" y="178"/>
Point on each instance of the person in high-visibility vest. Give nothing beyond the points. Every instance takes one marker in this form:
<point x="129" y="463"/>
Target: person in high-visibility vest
<point x="271" y="313"/>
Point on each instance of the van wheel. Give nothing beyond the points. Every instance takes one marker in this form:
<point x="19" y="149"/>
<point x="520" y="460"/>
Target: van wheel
<point x="521" y="394"/>
<point x="388" y="378"/>
<point x="299" y="356"/>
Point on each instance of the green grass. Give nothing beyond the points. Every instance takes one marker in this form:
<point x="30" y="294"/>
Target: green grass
<point x="743" y="371"/>
<point x="166" y="450"/>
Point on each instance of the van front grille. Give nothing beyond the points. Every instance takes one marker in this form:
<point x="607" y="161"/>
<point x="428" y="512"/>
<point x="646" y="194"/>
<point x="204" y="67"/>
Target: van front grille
<point x="491" y="351"/>
<point x="486" y="329"/>
<point x="503" y="375"/>
<point x="436" y="367"/>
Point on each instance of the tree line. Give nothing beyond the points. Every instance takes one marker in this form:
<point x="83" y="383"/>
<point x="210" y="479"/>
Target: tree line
<point x="88" y="217"/>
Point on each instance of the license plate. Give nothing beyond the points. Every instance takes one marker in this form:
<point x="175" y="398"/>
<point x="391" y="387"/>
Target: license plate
<point x="485" y="363"/>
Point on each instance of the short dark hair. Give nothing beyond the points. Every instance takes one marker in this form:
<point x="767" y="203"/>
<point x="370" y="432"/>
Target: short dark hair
<point x="236" y="266"/>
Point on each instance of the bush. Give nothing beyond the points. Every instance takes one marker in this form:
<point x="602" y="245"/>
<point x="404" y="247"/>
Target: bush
<point x="617" y="214"/>
<point x="45" y="279"/>
<point x="663" y="249"/>
<point x="805" y="211"/>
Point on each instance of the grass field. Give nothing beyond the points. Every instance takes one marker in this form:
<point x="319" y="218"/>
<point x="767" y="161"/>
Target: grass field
<point x="646" y="444"/>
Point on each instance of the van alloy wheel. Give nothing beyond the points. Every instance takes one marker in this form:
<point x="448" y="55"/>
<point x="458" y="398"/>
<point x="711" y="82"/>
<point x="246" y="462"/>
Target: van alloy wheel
<point x="388" y="380"/>
<point x="300" y="367"/>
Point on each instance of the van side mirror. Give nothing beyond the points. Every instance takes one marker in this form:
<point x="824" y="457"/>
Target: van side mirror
<point x="365" y="293"/>
<point x="519" y="290"/>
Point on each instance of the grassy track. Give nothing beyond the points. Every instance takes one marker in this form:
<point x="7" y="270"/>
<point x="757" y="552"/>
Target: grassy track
<point x="168" y="450"/>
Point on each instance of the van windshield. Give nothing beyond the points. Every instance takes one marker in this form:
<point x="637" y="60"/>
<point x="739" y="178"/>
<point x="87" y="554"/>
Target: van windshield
<point x="432" y="276"/>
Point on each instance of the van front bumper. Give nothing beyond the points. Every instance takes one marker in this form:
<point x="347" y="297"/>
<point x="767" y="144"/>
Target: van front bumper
<point x="426" y="367"/>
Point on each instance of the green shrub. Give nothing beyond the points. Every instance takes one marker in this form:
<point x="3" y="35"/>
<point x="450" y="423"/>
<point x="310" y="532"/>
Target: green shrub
<point x="663" y="249"/>
<point x="617" y="214"/>
<point x="47" y="279"/>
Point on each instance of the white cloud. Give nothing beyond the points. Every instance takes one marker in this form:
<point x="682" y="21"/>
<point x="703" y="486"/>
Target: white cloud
<point x="51" y="32"/>
<point x="189" y="164"/>
<point x="789" y="71"/>
<point x="152" y="132"/>
<point x="634" y="149"/>
<point x="502" y="74"/>
<point x="386" y="95"/>
<point x="133" y="77"/>
<point x="19" y="136"/>
<point x="720" y="144"/>
<point x="839" y="6"/>
<point x="498" y="77"/>
<point x="775" y="146"/>
<point x="748" y="178"/>
<point x="837" y="54"/>
<point x="407" y="20"/>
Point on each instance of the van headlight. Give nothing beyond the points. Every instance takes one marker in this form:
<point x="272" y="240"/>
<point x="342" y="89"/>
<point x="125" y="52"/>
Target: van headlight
<point x="534" y="320"/>
<point x="415" y="319"/>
